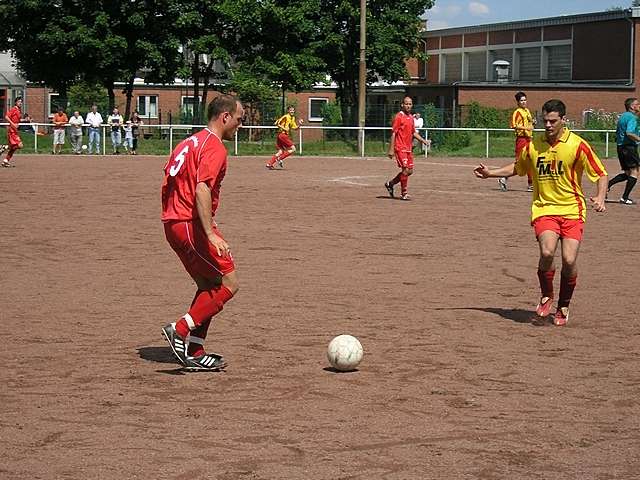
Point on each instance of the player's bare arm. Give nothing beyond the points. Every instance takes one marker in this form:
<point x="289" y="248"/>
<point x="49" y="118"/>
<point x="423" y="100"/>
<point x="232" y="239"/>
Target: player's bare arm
<point x="203" y="205"/>
<point x="10" y="122"/>
<point x="598" y="201"/>
<point x="482" y="171"/>
<point x="633" y="137"/>
<point x="424" y="141"/>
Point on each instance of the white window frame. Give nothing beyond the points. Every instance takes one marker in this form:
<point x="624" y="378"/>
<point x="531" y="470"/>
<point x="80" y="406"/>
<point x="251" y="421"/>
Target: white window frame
<point x="146" y="104"/>
<point x="190" y="97"/>
<point x="322" y="99"/>
<point x="50" y="97"/>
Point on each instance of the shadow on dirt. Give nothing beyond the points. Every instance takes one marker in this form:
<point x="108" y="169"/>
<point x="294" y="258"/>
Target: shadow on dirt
<point x="517" y="315"/>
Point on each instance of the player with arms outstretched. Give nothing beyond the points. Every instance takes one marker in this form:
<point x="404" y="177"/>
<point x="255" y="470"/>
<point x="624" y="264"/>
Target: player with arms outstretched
<point x="14" y="142"/>
<point x="557" y="161"/>
<point x="284" y="144"/>
<point x="403" y="132"/>
<point x="190" y="197"/>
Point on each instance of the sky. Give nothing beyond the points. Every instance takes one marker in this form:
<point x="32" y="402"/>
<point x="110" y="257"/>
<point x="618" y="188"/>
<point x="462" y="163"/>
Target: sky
<point x="463" y="13"/>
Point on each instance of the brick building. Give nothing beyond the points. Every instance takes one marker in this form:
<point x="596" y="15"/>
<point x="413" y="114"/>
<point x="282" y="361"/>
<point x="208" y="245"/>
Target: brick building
<point x="590" y="61"/>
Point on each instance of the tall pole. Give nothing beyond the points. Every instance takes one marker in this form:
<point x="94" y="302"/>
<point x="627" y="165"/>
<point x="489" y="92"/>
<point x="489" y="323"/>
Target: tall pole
<point x="362" y="75"/>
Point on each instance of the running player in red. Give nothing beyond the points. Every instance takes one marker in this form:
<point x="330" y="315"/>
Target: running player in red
<point x="190" y="198"/>
<point x="403" y="132"/>
<point x="285" y="146"/>
<point x="13" y="116"/>
<point x="558" y="211"/>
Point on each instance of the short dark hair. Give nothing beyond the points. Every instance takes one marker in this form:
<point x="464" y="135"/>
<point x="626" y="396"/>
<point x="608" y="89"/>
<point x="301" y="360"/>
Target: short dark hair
<point x="628" y="102"/>
<point x="555" y="105"/>
<point x="519" y="96"/>
<point x="19" y="97"/>
<point x="221" y="104"/>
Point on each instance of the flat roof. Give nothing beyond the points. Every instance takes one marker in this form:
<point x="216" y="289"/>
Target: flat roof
<point x="538" y="22"/>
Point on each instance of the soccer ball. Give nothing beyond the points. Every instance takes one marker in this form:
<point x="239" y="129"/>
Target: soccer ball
<point x="84" y="148"/>
<point x="344" y="353"/>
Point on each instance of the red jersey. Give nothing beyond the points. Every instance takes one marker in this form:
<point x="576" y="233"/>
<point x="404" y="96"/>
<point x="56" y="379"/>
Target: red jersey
<point x="403" y="129"/>
<point x="200" y="158"/>
<point x="15" y="115"/>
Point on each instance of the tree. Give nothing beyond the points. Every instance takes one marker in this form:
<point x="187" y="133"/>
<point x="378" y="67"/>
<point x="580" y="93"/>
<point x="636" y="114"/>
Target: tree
<point x="278" y="43"/>
<point x="393" y="34"/>
<point x="66" y="41"/>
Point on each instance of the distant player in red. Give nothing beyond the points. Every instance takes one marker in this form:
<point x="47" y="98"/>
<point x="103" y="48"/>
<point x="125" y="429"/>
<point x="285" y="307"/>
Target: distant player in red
<point x="190" y="198"/>
<point x="13" y="116"/>
<point x="403" y="132"/>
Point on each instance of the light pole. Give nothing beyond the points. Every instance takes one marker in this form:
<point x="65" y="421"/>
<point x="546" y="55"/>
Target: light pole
<point x="362" y="75"/>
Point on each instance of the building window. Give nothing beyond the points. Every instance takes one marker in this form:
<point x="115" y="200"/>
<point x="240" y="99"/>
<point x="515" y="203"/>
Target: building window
<point x="315" y="109"/>
<point x="54" y="103"/>
<point x="148" y="106"/>
<point x="529" y="64"/>
<point x="452" y="67"/>
<point x="187" y="105"/>
<point x="558" y="62"/>
<point x="477" y="66"/>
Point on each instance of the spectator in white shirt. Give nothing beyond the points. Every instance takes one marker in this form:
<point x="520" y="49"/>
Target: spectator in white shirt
<point x="94" y="119"/>
<point x="418" y="123"/>
<point x="76" y="122"/>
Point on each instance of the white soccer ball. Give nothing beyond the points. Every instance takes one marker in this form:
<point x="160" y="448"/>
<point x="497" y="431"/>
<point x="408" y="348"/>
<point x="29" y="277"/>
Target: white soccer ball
<point x="84" y="148"/>
<point x="344" y="353"/>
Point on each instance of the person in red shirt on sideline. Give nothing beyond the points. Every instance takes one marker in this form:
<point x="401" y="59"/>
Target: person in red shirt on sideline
<point x="190" y="197"/>
<point x="13" y="116"/>
<point x="403" y="132"/>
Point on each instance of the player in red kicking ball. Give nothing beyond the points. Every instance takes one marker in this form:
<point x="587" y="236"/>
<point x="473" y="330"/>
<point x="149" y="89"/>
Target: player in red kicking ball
<point x="190" y="198"/>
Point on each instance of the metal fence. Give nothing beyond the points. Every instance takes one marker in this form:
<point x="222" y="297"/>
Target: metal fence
<point x="321" y="140"/>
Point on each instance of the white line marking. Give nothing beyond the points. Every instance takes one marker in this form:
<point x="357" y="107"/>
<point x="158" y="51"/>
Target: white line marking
<point x="350" y="180"/>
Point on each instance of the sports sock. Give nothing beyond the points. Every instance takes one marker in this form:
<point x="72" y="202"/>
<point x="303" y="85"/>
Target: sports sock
<point x="404" y="181"/>
<point x="529" y="178"/>
<point x="196" y="340"/>
<point x="631" y="182"/>
<point x="285" y="155"/>
<point x="621" y="177"/>
<point x="205" y="305"/>
<point x="396" y="179"/>
<point x="273" y="160"/>
<point x="567" y="284"/>
<point x="546" y="282"/>
<point x="9" y="154"/>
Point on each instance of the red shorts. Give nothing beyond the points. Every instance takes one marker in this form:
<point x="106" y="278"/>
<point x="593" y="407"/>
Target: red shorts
<point x="521" y="144"/>
<point x="283" y="142"/>
<point x="564" y="227"/>
<point x="198" y="256"/>
<point x="13" y="138"/>
<point x="404" y="159"/>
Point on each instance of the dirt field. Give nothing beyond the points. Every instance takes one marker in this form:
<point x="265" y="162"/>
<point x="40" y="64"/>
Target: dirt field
<point x="456" y="382"/>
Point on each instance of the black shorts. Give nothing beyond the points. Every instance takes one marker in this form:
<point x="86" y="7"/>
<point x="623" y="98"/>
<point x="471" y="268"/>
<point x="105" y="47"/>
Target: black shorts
<point x="628" y="156"/>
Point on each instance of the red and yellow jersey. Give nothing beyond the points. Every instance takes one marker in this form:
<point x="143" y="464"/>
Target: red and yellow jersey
<point x="15" y="115"/>
<point x="521" y="117"/>
<point x="402" y="130"/>
<point x="286" y="122"/>
<point x="557" y="175"/>
<point x="200" y="158"/>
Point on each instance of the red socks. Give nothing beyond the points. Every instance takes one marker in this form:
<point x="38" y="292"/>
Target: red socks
<point x="546" y="282"/>
<point x="205" y="305"/>
<point x="567" y="285"/>
<point x="404" y="180"/>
